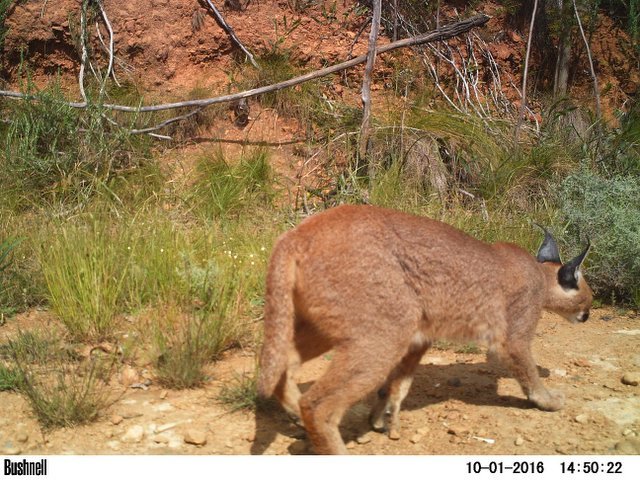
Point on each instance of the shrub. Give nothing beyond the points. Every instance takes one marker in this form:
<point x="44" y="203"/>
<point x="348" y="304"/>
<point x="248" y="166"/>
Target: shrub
<point x="56" y="153"/>
<point x="224" y="189"/>
<point x="607" y="211"/>
<point x="62" y="391"/>
<point x="241" y="393"/>
<point x="84" y="269"/>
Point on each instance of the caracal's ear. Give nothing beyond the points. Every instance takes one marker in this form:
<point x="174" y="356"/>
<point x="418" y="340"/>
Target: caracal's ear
<point x="568" y="273"/>
<point x="548" y="251"/>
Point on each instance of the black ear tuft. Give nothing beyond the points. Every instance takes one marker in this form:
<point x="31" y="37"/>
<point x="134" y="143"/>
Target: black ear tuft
<point x="568" y="273"/>
<point x="548" y="251"/>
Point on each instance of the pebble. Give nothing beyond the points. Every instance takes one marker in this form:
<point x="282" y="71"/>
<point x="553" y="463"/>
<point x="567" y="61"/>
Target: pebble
<point x="627" y="431"/>
<point x="127" y="414"/>
<point x="160" y="438"/>
<point x="22" y="437"/>
<point x="364" y="439"/>
<point x="116" y="419"/>
<point x="114" y="445"/>
<point x="582" y="419"/>
<point x="518" y="441"/>
<point x="631" y="378"/>
<point x="134" y="434"/>
<point x="129" y="376"/>
<point x="163" y="394"/>
<point x="582" y="362"/>
<point x="415" y="438"/>
<point x="195" y="437"/>
<point x="422" y="431"/>
<point x="559" y="372"/>
<point x="250" y="437"/>
<point x="13" y="451"/>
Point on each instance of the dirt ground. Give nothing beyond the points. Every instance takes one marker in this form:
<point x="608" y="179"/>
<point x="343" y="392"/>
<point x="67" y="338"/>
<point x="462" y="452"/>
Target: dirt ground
<point x="458" y="404"/>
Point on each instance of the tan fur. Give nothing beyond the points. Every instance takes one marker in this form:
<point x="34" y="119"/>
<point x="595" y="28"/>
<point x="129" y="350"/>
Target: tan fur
<point x="378" y="286"/>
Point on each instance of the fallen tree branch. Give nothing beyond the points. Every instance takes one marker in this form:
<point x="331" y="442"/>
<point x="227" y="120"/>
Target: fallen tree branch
<point x="444" y="33"/>
<point x="227" y="28"/>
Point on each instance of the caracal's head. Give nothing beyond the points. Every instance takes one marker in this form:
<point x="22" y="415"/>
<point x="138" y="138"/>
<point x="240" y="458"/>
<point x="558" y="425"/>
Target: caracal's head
<point x="568" y="293"/>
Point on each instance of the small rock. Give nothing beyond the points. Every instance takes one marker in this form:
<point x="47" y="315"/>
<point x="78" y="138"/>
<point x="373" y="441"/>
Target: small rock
<point x="13" y="451"/>
<point x="627" y="431"/>
<point x="415" y="438"/>
<point x="163" y="394"/>
<point x="129" y="376"/>
<point x="128" y="414"/>
<point x="195" y="437"/>
<point x="364" y="439"/>
<point x="559" y="372"/>
<point x="582" y="362"/>
<point x="134" y="434"/>
<point x="582" y="419"/>
<point x="141" y="386"/>
<point x="518" y="441"/>
<point x="628" y="446"/>
<point x="160" y="438"/>
<point x="631" y="378"/>
<point x="250" y="437"/>
<point x="454" y="382"/>
<point x="22" y="437"/>
<point x="116" y="419"/>
<point x="423" y="430"/>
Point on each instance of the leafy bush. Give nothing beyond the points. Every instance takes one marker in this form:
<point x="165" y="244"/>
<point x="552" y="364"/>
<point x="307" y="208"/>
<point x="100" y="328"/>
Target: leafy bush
<point x="607" y="211"/>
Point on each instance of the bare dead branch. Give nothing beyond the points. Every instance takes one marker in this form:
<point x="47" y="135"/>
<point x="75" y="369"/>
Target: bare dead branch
<point x="523" y="105"/>
<point x="111" y="46"/>
<point x="444" y="33"/>
<point x="227" y="28"/>
<point x="167" y="122"/>
<point x="83" y="44"/>
<point x="366" y="81"/>
<point x="596" y="90"/>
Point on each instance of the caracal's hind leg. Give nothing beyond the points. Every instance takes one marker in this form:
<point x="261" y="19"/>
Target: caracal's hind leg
<point x="307" y="346"/>
<point x="354" y="371"/>
<point x="386" y="410"/>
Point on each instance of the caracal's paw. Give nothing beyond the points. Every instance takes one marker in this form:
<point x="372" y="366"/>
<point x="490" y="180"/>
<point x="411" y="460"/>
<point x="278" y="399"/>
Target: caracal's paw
<point x="549" y="400"/>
